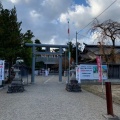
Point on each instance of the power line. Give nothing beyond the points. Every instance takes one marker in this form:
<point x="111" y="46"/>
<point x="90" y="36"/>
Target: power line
<point x="97" y="16"/>
<point x="84" y="36"/>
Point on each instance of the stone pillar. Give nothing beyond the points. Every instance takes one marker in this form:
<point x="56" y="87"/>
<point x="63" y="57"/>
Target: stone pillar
<point x="33" y="64"/>
<point x="60" y="65"/>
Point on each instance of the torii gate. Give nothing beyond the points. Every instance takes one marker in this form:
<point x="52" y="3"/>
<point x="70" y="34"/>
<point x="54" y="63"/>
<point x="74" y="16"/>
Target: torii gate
<point x="47" y="46"/>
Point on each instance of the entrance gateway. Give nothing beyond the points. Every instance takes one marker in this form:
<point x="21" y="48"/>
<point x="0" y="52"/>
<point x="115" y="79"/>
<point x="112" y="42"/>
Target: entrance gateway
<point x="47" y="52"/>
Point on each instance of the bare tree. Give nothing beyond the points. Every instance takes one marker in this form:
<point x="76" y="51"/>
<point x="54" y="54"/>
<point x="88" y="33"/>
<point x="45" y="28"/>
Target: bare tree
<point x="108" y="30"/>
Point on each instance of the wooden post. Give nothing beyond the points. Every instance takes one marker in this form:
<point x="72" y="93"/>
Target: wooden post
<point x="109" y="98"/>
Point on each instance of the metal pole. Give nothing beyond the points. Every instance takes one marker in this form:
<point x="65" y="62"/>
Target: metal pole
<point x="76" y="50"/>
<point x="109" y="98"/>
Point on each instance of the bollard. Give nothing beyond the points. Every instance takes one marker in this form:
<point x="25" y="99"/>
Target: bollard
<point x="109" y="98"/>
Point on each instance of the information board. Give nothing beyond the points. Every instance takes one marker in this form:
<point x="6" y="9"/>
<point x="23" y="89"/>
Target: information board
<point x="91" y="71"/>
<point x="1" y="69"/>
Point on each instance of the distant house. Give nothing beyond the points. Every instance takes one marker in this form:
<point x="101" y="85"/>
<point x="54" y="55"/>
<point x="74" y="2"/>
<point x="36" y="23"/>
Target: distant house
<point x="88" y="56"/>
<point x="91" y="51"/>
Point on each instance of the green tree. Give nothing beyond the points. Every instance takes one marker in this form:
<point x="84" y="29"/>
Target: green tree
<point x="10" y="35"/>
<point x="40" y="64"/>
<point x="71" y="49"/>
<point x="12" y="41"/>
<point x="37" y="41"/>
<point x="26" y="52"/>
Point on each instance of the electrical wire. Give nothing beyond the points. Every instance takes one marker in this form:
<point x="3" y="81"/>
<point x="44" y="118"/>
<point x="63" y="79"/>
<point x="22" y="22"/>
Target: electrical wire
<point x="84" y="36"/>
<point x="97" y="16"/>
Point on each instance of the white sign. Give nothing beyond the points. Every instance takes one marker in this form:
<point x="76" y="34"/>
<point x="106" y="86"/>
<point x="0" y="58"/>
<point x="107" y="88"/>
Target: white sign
<point x="91" y="71"/>
<point x="1" y="69"/>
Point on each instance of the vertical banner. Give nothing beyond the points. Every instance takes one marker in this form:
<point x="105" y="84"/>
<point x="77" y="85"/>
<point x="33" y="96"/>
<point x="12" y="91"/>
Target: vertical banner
<point x="98" y="58"/>
<point x="1" y="69"/>
<point x="78" y="74"/>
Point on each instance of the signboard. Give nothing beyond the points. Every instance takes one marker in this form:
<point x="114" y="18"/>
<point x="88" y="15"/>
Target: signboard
<point x="91" y="71"/>
<point x="1" y="69"/>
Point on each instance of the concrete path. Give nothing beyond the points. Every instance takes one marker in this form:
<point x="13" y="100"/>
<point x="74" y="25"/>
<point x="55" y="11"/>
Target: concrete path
<point x="47" y="99"/>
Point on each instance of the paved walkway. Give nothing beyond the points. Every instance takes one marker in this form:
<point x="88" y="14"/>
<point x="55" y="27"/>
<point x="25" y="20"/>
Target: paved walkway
<point x="47" y="99"/>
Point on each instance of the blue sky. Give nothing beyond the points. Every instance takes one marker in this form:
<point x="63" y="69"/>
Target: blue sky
<point x="81" y="2"/>
<point x="47" y="19"/>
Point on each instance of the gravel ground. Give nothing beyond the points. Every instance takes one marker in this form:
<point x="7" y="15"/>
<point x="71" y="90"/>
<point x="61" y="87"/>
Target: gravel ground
<point x="101" y="91"/>
<point x="47" y="99"/>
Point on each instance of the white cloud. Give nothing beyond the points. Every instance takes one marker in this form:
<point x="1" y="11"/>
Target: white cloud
<point x="34" y="14"/>
<point x="47" y="19"/>
<point x="96" y="7"/>
<point x="14" y="1"/>
<point x="18" y="1"/>
<point x="63" y="18"/>
<point x="53" y="40"/>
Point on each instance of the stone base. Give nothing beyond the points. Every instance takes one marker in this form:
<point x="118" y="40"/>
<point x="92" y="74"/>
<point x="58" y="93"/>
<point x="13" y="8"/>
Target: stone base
<point x="110" y="117"/>
<point x="73" y="88"/>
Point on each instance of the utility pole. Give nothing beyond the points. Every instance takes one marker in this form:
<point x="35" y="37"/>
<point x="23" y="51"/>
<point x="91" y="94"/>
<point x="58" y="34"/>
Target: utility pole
<point x="76" y="49"/>
<point x="69" y="52"/>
